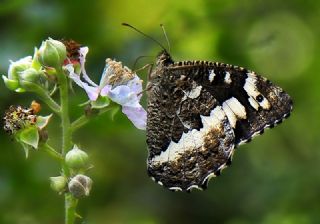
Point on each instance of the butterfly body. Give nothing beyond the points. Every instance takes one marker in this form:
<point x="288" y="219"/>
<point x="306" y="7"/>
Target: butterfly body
<point x="198" y="112"/>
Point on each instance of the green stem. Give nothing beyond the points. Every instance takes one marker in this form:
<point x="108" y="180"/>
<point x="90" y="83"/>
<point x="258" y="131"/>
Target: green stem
<point x="65" y="121"/>
<point x="70" y="207"/>
<point x="45" y="97"/>
<point x="51" y="151"/>
<point x="83" y="119"/>
<point x="70" y="201"/>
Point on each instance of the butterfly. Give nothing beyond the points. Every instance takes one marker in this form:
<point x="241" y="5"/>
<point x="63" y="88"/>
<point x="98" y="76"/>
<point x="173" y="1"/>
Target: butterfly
<point x="199" y="112"/>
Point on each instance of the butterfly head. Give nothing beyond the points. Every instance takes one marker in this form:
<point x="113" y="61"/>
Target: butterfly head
<point x="164" y="58"/>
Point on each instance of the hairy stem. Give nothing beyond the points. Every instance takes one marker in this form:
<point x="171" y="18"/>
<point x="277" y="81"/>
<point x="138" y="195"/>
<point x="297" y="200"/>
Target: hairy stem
<point x="65" y="121"/>
<point x="45" y="97"/>
<point x="70" y="207"/>
<point x="51" y="151"/>
<point x="83" y="119"/>
<point x="70" y="201"/>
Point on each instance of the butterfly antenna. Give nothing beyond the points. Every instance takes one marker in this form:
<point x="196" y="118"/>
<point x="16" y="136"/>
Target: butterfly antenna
<point x="139" y="58"/>
<point x="151" y="38"/>
<point x="165" y="34"/>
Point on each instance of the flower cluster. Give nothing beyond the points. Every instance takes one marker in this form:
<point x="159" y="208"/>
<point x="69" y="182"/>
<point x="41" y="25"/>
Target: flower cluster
<point x="53" y="67"/>
<point x="118" y="83"/>
<point x="33" y="73"/>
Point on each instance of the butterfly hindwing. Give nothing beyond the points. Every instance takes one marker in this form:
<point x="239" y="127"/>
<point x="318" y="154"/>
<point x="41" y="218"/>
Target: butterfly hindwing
<point x="188" y="133"/>
<point x="198" y="112"/>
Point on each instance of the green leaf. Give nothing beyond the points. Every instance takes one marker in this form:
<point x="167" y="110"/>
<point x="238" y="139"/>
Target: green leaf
<point x="42" y="122"/>
<point x="100" y="103"/>
<point x="29" y="136"/>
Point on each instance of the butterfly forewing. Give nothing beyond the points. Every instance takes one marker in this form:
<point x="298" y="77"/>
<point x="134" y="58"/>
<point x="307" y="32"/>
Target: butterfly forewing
<point x="198" y="112"/>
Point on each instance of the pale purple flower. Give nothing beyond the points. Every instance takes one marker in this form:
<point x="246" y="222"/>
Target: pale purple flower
<point x="118" y="83"/>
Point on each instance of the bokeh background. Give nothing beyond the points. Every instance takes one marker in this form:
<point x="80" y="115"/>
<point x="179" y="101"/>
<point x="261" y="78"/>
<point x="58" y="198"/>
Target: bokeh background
<point x="274" y="179"/>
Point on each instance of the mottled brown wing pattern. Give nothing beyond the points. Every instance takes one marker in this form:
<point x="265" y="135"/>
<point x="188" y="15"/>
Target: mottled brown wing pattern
<point x="198" y="112"/>
<point x="248" y="88"/>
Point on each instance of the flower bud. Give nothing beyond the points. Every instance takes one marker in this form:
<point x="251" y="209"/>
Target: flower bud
<point x="80" y="186"/>
<point x="25" y="69"/>
<point x="30" y="75"/>
<point x="52" y="53"/>
<point x="76" y="158"/>
<point x="17" y="67"/>
<point x="58" y="183"/>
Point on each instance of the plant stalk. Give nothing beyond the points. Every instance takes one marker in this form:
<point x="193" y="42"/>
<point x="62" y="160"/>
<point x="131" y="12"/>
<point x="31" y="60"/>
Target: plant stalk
<point x="70" y="201"/>
<point x="52" y="152"/>
<point x="83" y="119"/>
<point x="45" y="97"/>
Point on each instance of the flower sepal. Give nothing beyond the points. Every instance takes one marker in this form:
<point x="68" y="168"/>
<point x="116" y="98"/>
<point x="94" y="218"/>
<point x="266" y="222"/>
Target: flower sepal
<point x="43" y="121"/>
<point x="28" y="138"/>
<point x="35" y="60"/>
<point x="11" y="83"/>
<point x="101" y="102"/>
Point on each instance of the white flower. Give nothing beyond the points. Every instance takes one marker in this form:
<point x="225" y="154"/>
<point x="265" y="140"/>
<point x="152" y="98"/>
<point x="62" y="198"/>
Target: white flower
<point x="118" y="83"/>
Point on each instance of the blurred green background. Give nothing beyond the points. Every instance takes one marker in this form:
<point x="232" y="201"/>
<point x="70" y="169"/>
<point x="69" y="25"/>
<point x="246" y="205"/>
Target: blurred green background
<point x="274" y="179"/>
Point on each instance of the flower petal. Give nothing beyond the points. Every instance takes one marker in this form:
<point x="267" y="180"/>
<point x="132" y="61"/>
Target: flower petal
<point x="83" y="53"/>
<point x="105" y="90"/>
<point x="135" y="86"/>
<point x="107" y="71"/>
<point x="124" y="96"/>
<point x="137" y="115"/>
<point x="92" y="92"/>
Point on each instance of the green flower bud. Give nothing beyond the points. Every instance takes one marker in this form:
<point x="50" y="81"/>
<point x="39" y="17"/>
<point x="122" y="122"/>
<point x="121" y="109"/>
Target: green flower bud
<point x="76" y="158"/>
<point x="17" y="67"/>
<point x="52" y="53"/>
<point x="61" y="48"/>
<point x="25" y="69"/>
<point x="80" y="186"/>
<point x="58" y="184"/>
<point x="30" y="75"/>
